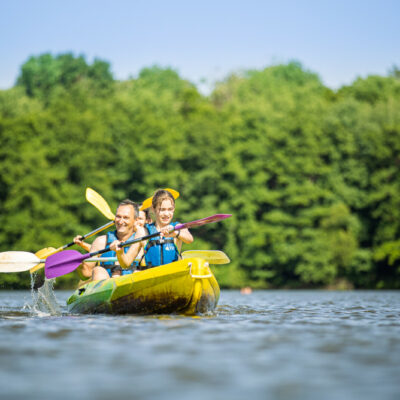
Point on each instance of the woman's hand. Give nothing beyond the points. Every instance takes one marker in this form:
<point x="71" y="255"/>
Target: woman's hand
<point x="168" y="231"/>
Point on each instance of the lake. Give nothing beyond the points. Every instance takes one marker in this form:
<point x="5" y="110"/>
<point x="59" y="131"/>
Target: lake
<point x="265" y="345"/>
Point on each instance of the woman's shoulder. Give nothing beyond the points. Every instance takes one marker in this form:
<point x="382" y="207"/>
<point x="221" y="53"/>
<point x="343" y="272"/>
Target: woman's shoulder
<point x="150" y="228"/>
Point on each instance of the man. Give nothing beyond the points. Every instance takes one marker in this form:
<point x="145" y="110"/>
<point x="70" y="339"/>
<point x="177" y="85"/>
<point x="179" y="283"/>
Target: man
<point x="126" y="229"/>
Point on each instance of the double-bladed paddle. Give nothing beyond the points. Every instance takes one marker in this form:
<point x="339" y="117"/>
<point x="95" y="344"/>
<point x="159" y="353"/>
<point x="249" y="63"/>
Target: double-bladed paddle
<point x="149" y="202"/>
<point x="67" y="261"/>
<point x="96" y="200"/>
<point x="19" y="261"/>
<point x="48" y="251"/>
<point x="101" y="204"/>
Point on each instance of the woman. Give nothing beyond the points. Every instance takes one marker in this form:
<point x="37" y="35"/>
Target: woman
<point x="165" y="247"/>
<point x="143" y="218"/>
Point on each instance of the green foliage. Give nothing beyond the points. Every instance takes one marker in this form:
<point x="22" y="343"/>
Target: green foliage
<point x="311" y="176"/>
<point x="41" y="76"/>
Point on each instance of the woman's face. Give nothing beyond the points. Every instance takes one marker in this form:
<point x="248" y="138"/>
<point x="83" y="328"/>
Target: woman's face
<point x="165" y="212"/>
<point x="141" y="219"/>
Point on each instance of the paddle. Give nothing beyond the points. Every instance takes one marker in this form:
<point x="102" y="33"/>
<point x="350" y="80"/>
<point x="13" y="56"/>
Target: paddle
<point x="19" y="261"/>
<point x="99" y="202"/>
<point x="43" y="254"/>
<point x="211" y="256"/>
<point x="68" y="260"/>
<point x="48" y="251"/>
<point x="148" y="202"/>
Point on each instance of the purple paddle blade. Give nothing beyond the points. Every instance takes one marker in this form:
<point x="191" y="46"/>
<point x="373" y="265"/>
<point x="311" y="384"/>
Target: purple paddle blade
<point x="203" y="221"/>
<point x="63" y="263"/>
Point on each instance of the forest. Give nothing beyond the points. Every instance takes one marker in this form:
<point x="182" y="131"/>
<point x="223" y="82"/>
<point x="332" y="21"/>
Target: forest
<point x="310" y="174"/>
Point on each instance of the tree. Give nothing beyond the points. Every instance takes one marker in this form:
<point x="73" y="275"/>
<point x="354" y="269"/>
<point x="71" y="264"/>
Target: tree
<point x="40" y="76"/>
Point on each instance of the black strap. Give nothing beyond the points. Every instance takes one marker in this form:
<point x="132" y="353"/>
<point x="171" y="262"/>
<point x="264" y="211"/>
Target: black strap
<point x="152" y="243"/>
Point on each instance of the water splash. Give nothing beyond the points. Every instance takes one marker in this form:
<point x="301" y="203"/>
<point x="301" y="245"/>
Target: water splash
<point x="44" y="301"/>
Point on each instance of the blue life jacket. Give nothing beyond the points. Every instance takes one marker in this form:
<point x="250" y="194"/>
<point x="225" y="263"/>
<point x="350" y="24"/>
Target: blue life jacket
<point x="159" y="252"/>
<point x="110" y="265"/>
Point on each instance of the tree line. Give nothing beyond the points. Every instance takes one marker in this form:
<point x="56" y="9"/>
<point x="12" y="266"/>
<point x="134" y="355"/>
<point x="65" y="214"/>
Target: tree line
<point x="311" y="175"/>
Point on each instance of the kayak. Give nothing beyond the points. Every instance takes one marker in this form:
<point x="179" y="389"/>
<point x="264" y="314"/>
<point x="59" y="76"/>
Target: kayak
<point x="186" y="287"/>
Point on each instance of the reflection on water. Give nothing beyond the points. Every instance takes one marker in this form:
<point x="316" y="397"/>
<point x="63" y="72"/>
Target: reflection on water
<point x="265" y="345"/>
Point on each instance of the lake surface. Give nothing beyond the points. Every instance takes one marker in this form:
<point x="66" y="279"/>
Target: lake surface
<point x="266" y="345"/>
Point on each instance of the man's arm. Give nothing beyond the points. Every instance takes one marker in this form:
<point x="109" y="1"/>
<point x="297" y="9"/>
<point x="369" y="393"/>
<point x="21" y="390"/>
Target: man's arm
<point x="78" y="240"/>
<point x="126" y="259"/>
<point x="85" y="269"/>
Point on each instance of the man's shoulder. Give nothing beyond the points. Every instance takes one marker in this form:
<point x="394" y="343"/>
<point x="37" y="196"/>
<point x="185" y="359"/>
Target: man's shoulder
<point x="140" y="231"/>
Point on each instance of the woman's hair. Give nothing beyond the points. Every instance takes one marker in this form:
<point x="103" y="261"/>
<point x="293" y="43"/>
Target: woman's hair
<point x="128" y="202"/>
<point x="147" y="214"/>
<point x="161" y="195"/>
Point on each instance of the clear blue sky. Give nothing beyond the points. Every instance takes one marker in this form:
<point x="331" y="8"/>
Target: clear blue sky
<point x="338" y="39"/>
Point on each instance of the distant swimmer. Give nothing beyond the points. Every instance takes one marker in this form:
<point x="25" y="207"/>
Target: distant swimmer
<point x="246" y="290"/>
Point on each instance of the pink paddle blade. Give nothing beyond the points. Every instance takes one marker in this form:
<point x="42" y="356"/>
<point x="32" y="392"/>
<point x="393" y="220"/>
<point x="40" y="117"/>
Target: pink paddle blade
<point x="63" y="263"/>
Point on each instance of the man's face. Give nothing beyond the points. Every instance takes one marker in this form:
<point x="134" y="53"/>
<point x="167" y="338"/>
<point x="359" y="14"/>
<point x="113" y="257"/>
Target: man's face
<point x="141" y="219"/>
<point x="124" y="219"/>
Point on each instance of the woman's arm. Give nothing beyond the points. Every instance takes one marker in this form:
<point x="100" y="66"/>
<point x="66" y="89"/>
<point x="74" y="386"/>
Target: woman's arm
<point x="181" y="236"/>
<point x="184" y="235"/>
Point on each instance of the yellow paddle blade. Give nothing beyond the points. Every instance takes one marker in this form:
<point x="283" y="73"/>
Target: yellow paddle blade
<point x="42" y="255"/>
<point x="98" y="201"/>
<point x="212" y="256"/>
<point x="148" y="202"/>
<point x="36" y="268"/>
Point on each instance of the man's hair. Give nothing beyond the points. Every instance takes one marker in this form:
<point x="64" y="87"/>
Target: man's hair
<point x="128" y="202"/>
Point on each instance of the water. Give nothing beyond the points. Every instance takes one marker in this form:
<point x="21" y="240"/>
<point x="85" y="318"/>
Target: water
<point x="266" y="345"/>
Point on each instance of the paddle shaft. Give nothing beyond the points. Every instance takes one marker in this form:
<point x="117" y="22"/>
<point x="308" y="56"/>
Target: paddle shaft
<point x="88" y="235"/>
<point x="178" y="227"/>
<point x="128" y="243"/>
<point x="39" y="261"/>
<point x="67" y="261"/>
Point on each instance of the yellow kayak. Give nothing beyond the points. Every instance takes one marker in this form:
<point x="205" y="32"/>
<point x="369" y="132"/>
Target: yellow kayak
<point x="185" y="287"/>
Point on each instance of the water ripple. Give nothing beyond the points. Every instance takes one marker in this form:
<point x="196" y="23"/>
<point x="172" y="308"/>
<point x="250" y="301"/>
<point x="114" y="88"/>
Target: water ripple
<point x="272" y="344"/>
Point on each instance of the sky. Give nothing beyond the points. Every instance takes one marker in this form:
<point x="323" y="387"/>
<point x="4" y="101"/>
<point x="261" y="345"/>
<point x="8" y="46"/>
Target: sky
<point x="205" y="41"/>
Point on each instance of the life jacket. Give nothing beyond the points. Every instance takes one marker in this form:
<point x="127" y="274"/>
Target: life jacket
<point x="110" y="265"/>
<point x="159" y="252"/>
